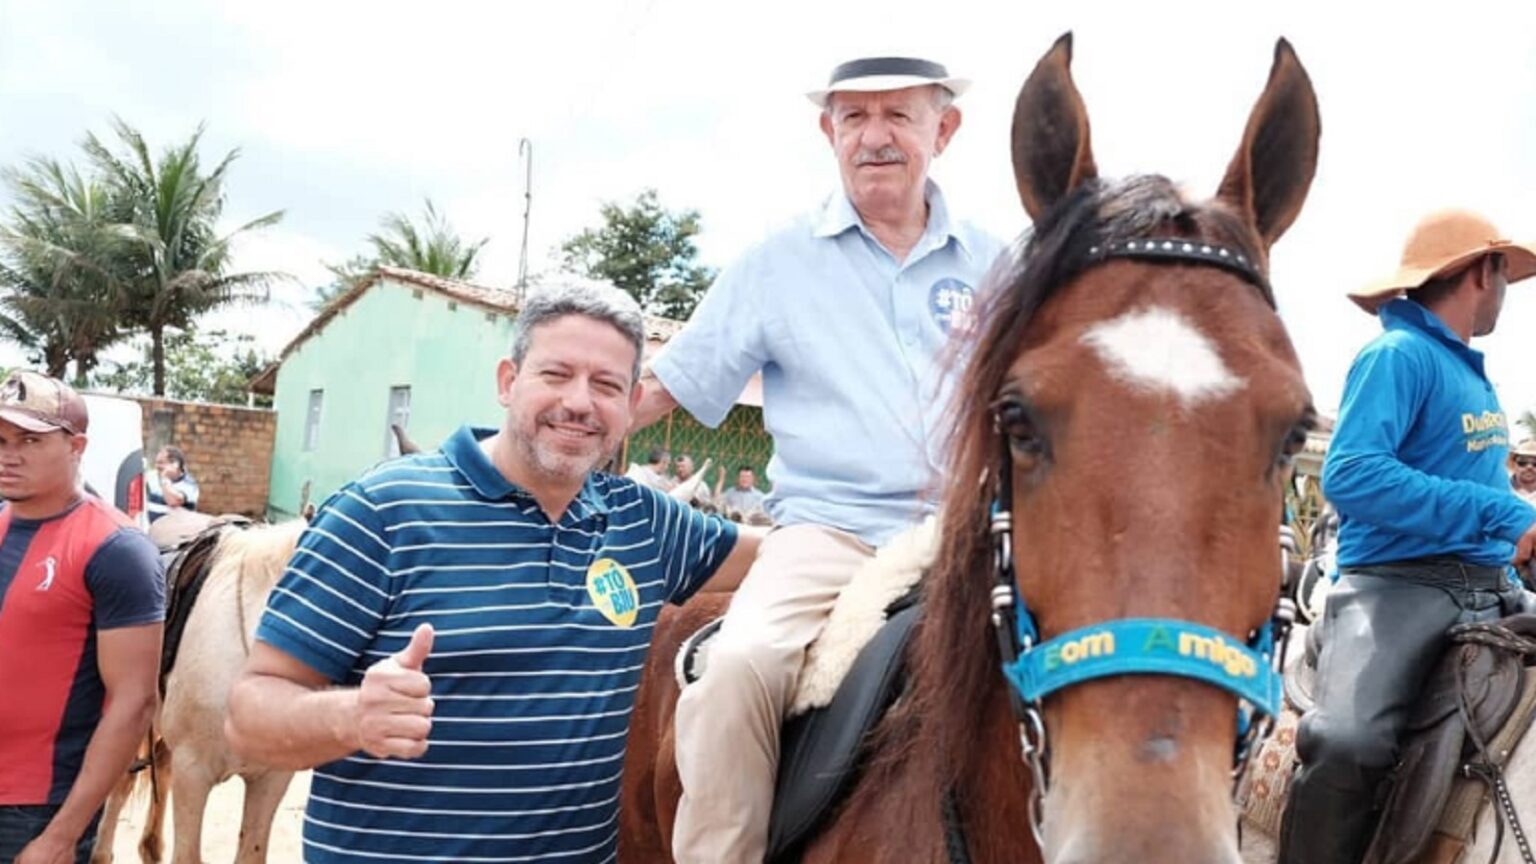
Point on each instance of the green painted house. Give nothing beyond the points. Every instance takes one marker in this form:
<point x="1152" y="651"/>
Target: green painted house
<point x="418" y="351"/>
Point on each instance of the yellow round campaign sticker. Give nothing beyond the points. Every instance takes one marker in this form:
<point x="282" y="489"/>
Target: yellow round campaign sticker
<point x="613" y="592"/>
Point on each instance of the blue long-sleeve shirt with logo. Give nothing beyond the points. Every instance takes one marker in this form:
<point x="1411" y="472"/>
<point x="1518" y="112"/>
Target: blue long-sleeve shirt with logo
<point x="1416" y="465"/>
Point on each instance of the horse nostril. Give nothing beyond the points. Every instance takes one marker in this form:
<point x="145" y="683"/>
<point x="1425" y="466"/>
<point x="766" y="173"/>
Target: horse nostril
<point x="1160" y="748"/>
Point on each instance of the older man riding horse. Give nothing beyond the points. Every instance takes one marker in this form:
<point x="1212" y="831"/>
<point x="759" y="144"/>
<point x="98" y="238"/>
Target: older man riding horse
<point x="1119" y="593"/>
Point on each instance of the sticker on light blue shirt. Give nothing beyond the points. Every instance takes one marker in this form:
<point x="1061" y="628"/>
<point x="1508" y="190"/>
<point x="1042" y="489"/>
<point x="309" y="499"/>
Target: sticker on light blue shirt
<point x="949" y="302"/>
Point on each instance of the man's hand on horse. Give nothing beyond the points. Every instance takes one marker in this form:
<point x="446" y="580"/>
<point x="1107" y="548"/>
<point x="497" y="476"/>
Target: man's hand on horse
<point x="1526" y="547"/>
<point x="394" y="703"/>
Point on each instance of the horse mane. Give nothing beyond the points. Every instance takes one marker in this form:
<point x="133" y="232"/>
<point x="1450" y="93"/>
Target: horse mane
<point x="954" y="657"/>
<point x="258" y="554"/>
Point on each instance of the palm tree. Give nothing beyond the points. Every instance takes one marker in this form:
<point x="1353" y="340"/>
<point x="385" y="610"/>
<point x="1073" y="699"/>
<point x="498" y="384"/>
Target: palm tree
<point x="434" y="247"/>
<point x="436" y="250"/>
<point x="61" y="297"/>
<point x="1528" y="420"/>
<point x="176" y="260"/>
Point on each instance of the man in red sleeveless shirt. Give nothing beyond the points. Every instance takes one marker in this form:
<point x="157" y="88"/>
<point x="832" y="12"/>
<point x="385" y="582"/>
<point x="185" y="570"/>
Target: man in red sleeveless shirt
<point x="82" y="598"/>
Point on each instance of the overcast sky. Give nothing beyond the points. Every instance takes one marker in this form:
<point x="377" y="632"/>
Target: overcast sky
<point x="345" y="110"/>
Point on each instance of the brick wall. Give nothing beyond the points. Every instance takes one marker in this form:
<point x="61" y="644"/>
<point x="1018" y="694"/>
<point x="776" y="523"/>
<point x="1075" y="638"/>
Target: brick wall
<point x="229" y="450"/>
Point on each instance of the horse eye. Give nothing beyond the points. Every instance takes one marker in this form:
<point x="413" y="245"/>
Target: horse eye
<point x="1295" y="440"/>
<point x="1024" y="439"/>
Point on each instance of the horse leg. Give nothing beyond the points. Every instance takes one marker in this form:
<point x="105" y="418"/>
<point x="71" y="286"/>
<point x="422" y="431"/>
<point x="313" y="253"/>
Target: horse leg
<point x="263" y="792"/>
<point x="152" y="840"/>
<point x="189" y="797"/>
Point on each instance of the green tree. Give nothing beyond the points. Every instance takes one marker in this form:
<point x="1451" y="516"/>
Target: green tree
<point x="177" y="264"/>
<point x="347" y="276"/>
<point x="1528" y="420"/>
<point x="646" y="250"/>
<point x="201" y="366"/>
<point x="60" y="299"/>
<point x="431" y="247"/>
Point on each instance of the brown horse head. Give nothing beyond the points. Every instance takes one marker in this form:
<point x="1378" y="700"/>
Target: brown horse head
<point x="1145" y="412"/>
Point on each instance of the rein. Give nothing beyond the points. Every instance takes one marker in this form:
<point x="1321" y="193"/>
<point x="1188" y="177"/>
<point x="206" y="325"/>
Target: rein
<point x="1035" y="668"/>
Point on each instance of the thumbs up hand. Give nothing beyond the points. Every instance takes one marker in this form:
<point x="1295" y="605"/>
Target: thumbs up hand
<point x="414" y="655"/>
<point x="393" y="715"/>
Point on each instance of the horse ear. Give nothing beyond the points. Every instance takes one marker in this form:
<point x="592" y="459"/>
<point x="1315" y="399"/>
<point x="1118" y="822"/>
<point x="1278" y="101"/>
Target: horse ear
<point x="1051" y="152"/>
<point x="1268" y="179"/>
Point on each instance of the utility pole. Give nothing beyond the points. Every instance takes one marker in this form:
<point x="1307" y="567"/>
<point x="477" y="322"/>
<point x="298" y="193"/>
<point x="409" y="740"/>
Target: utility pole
<point x="525" y="148"/>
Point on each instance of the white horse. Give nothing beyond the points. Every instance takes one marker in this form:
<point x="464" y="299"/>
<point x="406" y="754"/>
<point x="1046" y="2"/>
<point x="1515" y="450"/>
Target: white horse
<point x="190" y="755"/>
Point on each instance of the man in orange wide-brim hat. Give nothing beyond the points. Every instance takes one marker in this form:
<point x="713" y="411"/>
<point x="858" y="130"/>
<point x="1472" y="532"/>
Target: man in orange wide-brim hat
<point x="1429" y="524"/>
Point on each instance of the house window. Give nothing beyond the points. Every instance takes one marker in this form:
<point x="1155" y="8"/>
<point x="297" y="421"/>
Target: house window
<point x="312" y="420"/>
<point x="399" y="415"/>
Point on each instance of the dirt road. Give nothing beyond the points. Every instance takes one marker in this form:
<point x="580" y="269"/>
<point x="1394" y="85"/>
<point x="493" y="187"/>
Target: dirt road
<point x="221" y="826"/>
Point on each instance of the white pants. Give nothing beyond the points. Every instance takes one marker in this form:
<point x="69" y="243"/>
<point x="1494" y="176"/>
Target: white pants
<point x="728" y="721"/>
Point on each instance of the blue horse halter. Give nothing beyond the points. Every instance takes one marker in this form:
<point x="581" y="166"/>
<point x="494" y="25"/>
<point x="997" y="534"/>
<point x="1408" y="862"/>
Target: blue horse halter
<point x="1250" y="669"/>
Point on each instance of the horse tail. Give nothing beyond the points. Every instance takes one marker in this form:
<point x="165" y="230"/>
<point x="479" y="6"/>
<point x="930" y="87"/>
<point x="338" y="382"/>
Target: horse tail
<point x="139" y="771"/>
<point x="129" y="790"/>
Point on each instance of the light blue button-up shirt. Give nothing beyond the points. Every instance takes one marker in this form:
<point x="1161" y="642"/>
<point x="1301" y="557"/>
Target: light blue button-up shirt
<point x="851" y="344"/>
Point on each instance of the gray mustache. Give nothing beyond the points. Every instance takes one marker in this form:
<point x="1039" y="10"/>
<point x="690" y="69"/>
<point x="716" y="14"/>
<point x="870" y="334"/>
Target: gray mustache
<point x="884" y="154"/>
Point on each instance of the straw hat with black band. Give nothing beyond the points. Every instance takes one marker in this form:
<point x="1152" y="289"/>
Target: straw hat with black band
<point x="876" y="74"/>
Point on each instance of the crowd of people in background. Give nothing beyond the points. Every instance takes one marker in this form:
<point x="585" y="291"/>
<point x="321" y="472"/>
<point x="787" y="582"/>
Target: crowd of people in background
<point x="688" y="481"/>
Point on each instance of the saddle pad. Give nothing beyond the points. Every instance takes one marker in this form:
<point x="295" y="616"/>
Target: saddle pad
<point x="861" y="610"/>
<point x="688" y="665"/>
<point x="1266" y="785"/>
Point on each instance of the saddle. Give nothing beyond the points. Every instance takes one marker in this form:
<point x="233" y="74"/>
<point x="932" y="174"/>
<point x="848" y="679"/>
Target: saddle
<point x="186" y="570"/>
<point x="852" y="675"/>
<point x="1443" y="777"/>
<point x="1474" y="708"/>
<point x="1301" y="678"/>
<point x="822" y="750"/>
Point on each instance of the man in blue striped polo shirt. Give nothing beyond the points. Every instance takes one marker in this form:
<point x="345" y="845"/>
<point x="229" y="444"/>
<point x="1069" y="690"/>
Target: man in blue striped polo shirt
<point x="486" y="610"/>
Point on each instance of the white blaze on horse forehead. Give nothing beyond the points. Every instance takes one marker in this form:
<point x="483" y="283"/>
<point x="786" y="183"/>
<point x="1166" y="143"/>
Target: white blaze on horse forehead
<point x="1159" y="349"/>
